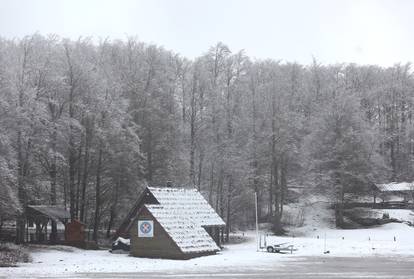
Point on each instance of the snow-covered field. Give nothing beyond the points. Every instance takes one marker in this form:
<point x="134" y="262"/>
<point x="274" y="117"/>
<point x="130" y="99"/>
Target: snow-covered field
<point x="54" y="262"/>
<point x="363" y="242"/>
<point x="316" y="236"/>
<point x="319" y="234"/>
<point x="389" y="239"/>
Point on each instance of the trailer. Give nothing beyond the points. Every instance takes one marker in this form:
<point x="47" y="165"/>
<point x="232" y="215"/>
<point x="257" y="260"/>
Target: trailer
<point x="281" y="248"/>
<point x="276" y="248"/>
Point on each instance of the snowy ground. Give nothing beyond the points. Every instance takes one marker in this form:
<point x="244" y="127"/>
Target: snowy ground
<point x="389" y="239"/>
<point x="319" y="234"/>
<point x="52" y="262"/>
<point x="393" y="241"/>
<point x="376" y="242"/>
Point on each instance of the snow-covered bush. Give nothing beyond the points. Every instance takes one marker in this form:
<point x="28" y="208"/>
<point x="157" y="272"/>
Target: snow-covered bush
<point x="11" y="254"/>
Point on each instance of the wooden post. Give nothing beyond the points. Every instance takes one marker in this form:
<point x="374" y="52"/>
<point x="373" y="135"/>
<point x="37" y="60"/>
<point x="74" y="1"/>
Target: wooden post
<point x="218" y="236"/>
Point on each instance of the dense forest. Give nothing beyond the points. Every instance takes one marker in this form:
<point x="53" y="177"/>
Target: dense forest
<point x="88" y="125"/>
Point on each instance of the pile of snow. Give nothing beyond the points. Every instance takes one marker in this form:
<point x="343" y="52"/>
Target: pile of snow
<point x="121" y="245"/>
<point x="122" y="240"/>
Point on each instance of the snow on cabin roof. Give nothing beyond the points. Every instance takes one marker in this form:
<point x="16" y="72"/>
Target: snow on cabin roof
<point x="188" y="202"/>
<point x="395" y="187"/>
<point x="188" y="235"/>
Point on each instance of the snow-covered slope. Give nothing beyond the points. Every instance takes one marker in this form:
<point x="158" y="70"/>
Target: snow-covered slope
<point x="312" y="213"/>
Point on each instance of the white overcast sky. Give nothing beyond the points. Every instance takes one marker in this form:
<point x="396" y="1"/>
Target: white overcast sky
<point x="360" y="31"/>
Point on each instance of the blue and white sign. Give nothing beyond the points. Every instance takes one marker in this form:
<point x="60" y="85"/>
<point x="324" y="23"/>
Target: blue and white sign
<point x="145" y="228"/>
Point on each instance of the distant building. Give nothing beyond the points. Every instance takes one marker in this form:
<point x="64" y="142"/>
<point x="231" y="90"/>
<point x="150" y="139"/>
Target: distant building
<point x="38" y="227"/>
<point x="39" y="217"/>
<point x="173" y="223"/>
<point x="394" y="192"/>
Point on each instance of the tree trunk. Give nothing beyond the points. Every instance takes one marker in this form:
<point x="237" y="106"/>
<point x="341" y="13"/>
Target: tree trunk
<point x="393" y="161"/>
<point x="283" y="184"/>
<point x="211" y="190"/>
<point x="150" y="171"/>
<point x="228" y="215"/>
<point x="220" y="198"/>
<point x="270" y="204"/>
<point x="21" y="189"/>
<point x="192" y="152"/>
<point x="339" y="207"/>
<point x="79" y="179"/>
<point x="113" y="208"/>
<point x="192" y="133"/>
<point x="53" y="182"/>
<point x="71" y="148"/>
<point x="97" y="195"/>
<point x="20" y="223"/>
<point x="200" y="169"/>
<point x="72" y="178"/>
<point x="85" y="172"/>
<point x="275" y="219"/>
<point x="219" y="193"/>
<point x="255" y="163"/>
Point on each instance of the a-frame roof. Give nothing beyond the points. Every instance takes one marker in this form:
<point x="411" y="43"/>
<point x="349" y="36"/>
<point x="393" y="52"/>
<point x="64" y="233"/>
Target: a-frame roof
<point x="189" y="236"/>
<point x="187" y="202"/>
<point x="181" y="201"/>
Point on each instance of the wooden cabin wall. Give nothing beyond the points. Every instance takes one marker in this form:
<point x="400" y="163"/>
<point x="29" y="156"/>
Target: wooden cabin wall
<point x="159" y="246"/>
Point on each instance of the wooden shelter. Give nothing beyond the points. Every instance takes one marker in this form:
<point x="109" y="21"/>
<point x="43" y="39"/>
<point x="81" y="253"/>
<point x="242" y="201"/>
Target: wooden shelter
<point x="39" y="216"/>
<point x="392" y="192"/>
<point x="173" y="223"/>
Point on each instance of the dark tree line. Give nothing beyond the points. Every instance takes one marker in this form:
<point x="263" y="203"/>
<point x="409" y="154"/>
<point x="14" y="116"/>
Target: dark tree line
<point x="88" y="125"/>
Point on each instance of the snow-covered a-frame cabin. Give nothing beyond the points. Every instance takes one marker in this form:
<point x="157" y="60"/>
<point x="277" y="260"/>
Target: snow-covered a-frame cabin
<point x="176" y="223"/>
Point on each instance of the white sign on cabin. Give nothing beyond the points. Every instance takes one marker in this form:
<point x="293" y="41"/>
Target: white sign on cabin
<point x="145" y="228"/>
